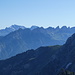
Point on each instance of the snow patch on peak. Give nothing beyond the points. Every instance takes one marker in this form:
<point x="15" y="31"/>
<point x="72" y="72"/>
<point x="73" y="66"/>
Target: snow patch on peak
<point x="16" y="27"/>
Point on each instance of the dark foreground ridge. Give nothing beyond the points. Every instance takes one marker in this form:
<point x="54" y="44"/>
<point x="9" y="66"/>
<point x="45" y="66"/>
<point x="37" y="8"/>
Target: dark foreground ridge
<point x="42" y="61"/>
<point x="29" y="62"/>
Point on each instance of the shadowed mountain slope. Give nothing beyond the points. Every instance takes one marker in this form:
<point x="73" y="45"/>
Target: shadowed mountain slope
<point x="64" y="58"/>
<point x="29" y="62"/>
<point x="42" y="61"/>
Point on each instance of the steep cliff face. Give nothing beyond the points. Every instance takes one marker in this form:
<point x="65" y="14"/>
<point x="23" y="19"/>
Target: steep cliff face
<point x="64" y="58"/>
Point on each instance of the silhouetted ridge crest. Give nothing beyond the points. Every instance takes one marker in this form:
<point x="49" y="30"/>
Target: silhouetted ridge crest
<point x="71" y="40"/>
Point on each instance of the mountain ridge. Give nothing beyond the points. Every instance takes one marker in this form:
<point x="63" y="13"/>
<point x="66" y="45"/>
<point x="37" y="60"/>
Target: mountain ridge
<point x="25" y="39"/>
<point x="42" y="61"/>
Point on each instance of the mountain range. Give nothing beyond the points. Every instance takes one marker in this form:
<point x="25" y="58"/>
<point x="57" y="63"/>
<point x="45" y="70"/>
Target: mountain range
<point x="47" y="60"/>
<point x="21" y="39"/>
<point x="12" y="28"/>
<point x="7" y="30"/>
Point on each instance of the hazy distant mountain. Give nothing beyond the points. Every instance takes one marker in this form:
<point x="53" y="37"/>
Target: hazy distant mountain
<point x="16" y="27"/>
<point x="42" y="61"/>
<point x="23" y="39"/>
<point x="33" y="27"/>
<point x="12" y="28"/>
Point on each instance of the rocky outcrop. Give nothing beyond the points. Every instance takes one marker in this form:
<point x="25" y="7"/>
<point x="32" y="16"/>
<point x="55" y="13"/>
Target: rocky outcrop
<point x="65" y="72"/>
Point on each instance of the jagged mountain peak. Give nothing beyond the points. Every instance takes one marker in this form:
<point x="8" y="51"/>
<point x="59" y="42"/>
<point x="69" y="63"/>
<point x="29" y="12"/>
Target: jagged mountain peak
<point x="57" y="27"/>
<point x="64" y="27"/>
<point x="33" y="27"/>
<point x="7" y="30"/>
<point x="16" y="27"/>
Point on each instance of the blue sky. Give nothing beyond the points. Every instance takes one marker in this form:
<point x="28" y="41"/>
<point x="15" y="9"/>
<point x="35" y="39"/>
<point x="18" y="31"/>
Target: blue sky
<point x="37" y="12"/>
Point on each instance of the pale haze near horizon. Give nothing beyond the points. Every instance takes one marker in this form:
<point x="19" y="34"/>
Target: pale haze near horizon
<point x="37" y="12"/>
